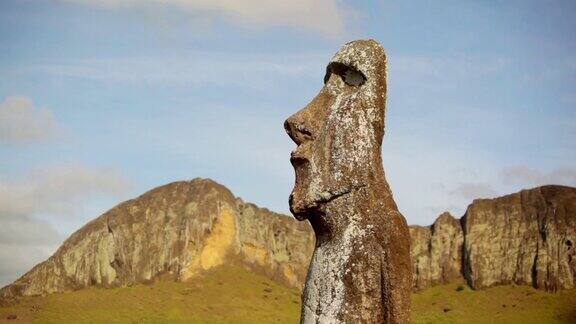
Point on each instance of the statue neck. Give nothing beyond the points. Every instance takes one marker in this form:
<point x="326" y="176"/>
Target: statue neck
<point x="345" y="231"/>
<point x="338" y="217"/>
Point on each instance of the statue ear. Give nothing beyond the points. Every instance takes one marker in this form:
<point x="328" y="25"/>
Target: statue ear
<point x="349" y="75"/>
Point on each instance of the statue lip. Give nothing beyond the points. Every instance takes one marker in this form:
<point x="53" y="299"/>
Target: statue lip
<point x="297" y="157"/>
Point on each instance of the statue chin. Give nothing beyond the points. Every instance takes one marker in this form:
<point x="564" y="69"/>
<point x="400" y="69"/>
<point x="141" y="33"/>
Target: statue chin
<point x="297" y="208"/>
<point x="301" y="206"/>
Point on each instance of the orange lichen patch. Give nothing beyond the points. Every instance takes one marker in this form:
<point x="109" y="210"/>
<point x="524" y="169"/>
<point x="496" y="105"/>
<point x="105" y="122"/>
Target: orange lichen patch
<point x="255" y="253"/>
<point x="290" y="275"/>
<point x="217" y="246"/>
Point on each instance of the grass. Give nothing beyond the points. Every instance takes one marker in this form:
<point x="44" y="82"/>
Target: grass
<point x="234" y="295"/>
<point x="227" y="294"/>
<point x="457" y="303"/>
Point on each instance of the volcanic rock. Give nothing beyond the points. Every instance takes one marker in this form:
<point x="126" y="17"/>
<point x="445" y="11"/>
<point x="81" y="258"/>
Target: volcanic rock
<point x="185" y="228"/>
<point x="524" y="238"/>
<point x="437" y="252"/>
<point x="181" y="229"/>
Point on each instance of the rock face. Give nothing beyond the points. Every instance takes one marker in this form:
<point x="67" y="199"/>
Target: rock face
<point x="274" y="244"/>
<point x="360" y="271"/>
<point x="180" y="229"/>
<point x="524" y="238"/>
<point x="184" y="228"/>
<point x="437" y="252"/>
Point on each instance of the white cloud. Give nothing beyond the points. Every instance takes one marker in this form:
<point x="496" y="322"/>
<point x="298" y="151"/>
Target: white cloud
<point x="323" y="16"/>
<point x="427" y="179"/>
<point x="24" y="242"/>
<point x="58" y="190"/>
<point x="25" y="239"/>
<point x="21" y="121"/>
<point x="441" y="72"/>
<point x="252" y="71"/>
<point x="471" y="191"/>
<point x="525" y="175"/>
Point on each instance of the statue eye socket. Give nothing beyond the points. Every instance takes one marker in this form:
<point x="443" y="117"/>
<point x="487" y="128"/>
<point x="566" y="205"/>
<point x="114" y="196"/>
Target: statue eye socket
<point x="353" y="78"/>
<point x="349" y="75"/>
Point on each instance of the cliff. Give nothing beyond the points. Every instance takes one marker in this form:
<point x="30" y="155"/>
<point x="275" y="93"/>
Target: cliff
<point x="180" y="229"/>
<point x="523" y="238"/>
<point x="437" y="252"/>
<point x="185" y="228"/>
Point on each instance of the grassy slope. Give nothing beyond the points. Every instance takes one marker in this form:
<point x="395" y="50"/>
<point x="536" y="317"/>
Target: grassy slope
<point x="232" y="294"/>
<point x="504" y="304"/>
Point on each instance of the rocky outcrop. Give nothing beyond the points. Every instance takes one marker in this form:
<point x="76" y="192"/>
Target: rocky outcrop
<point x="437" y="252"/>
<point x="185" y="228"/>
<point x="180" y="229"/>
<point x="274" y="244"/>
<point x="526" y="238"/>
<point x="523" y="238"/>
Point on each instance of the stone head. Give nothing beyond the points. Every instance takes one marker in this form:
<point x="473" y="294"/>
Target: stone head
<point x="339" y="133"/>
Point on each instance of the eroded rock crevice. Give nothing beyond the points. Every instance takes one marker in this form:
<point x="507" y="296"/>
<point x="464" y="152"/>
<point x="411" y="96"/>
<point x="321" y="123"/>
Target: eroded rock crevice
<point x="519" y="238"/>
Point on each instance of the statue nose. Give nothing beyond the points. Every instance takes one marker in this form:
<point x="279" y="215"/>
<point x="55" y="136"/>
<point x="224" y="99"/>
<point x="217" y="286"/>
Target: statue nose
<point x="297" y="130"/>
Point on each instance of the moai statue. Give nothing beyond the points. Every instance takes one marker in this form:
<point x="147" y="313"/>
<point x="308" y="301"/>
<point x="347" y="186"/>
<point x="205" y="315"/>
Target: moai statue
<point x="360" y="271"/>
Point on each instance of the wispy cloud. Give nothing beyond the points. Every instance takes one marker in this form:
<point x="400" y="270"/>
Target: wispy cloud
<point x="557" y="68"/>
<point x="257" y="71"/>
<point x="438" y="72"/>
<point x="22" y="122"/>
<point x="471" y="191"/>
<point x="493" y="182"/>
<point x="326" y="17"/>
<point x="525" y="175"/>
<point x="24" y="241"/>
<point x="195" y="69"/>
<point x="58" y="190"/>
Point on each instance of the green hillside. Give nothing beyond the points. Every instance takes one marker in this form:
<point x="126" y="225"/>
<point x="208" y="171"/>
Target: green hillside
<point x="233" y="294"/>
<point x="457" y="303"/>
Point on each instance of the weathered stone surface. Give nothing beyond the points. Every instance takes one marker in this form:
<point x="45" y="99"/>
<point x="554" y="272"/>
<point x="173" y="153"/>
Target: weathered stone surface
<point x="141" y="246"/>
<point x="437" y="252"/>
<point x="275" y="244"/>
<point x="180" y="229"/>
<point x="524" y="238"/>
<point x="360" y="270"/>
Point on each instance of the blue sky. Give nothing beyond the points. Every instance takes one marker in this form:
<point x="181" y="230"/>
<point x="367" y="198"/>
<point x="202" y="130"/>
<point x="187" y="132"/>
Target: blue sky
<point x="102" y="100"/>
